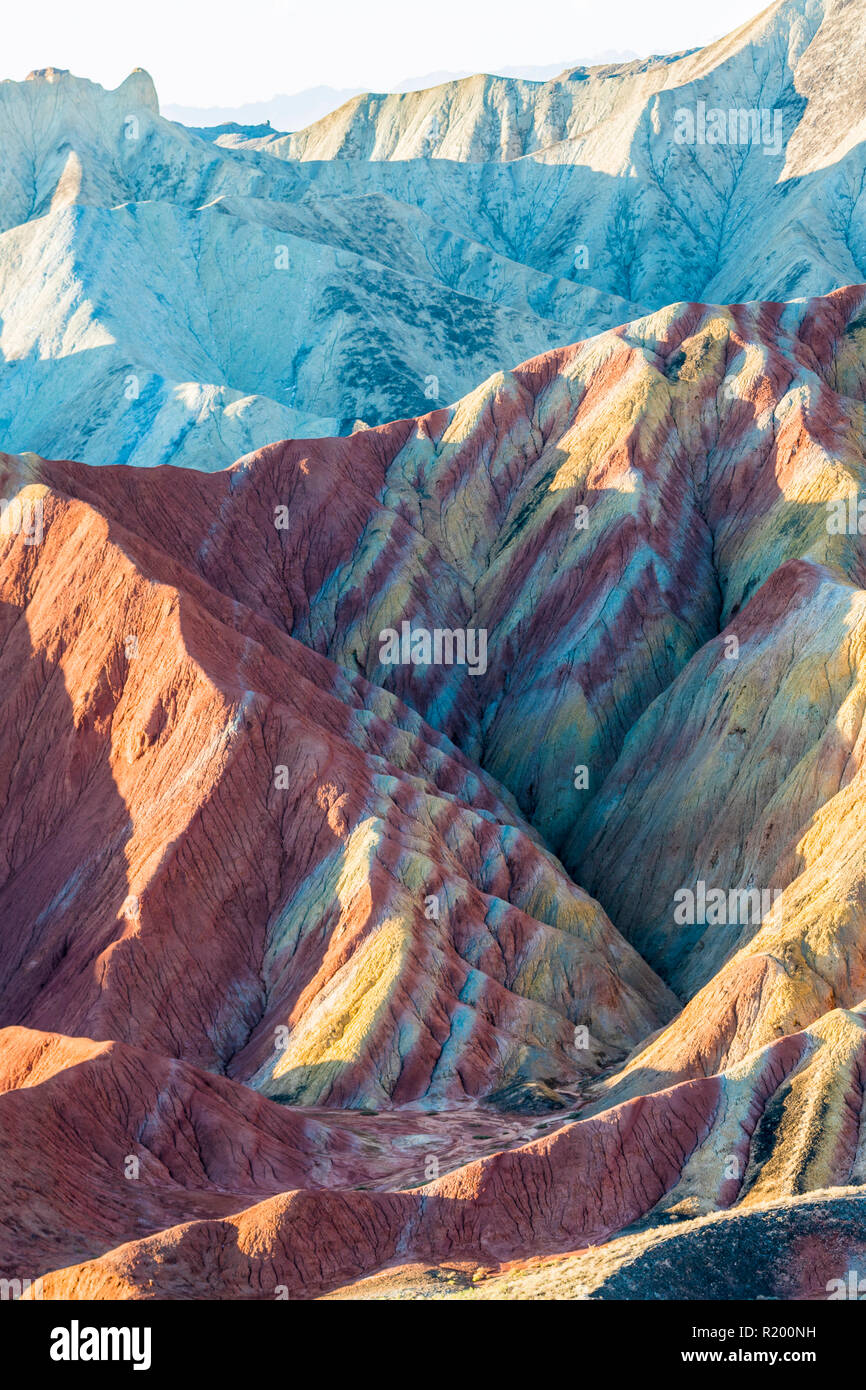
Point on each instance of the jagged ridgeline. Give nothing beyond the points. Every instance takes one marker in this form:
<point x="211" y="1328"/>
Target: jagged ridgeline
<point x="176" y="296"/>
<point x="279" y="867"/>
<point x="432" y="829"/>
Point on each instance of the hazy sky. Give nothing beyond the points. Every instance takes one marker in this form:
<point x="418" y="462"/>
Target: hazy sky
<point x="226" y="52"/>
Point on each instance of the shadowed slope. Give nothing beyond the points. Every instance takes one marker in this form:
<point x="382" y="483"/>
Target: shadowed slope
<point x="574" y="1188"/>
<point x="697" y="451"/>
<point x="314" y="884"/>
<point x="401" y="249"/>
<point x="292" y="879"/>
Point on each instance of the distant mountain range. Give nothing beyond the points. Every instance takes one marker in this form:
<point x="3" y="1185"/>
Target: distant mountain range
<point x="393" y="254"/>
<point x="295" y="110"/>
<point x="433" y="685"/>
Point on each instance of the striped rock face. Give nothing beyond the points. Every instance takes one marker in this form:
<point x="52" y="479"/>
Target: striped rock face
<point x="511" y="748"/>
<point x="252" y="859"/>
<point x="713" y="1157"/>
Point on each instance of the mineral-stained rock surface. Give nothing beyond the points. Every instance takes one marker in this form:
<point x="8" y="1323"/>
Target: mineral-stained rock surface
<point x="244" y="856"/>
<point x="289" y="906"/>
<point x="784" y="1123"/>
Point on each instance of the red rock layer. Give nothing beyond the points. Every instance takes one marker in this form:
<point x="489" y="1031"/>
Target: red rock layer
<point x="235" y="837"/>
<point x="220" y="846"/>
<point x="785" y="1122"/>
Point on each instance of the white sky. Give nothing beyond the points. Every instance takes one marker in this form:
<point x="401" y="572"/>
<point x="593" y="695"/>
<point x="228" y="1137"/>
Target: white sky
<point x="227" y="52"/>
